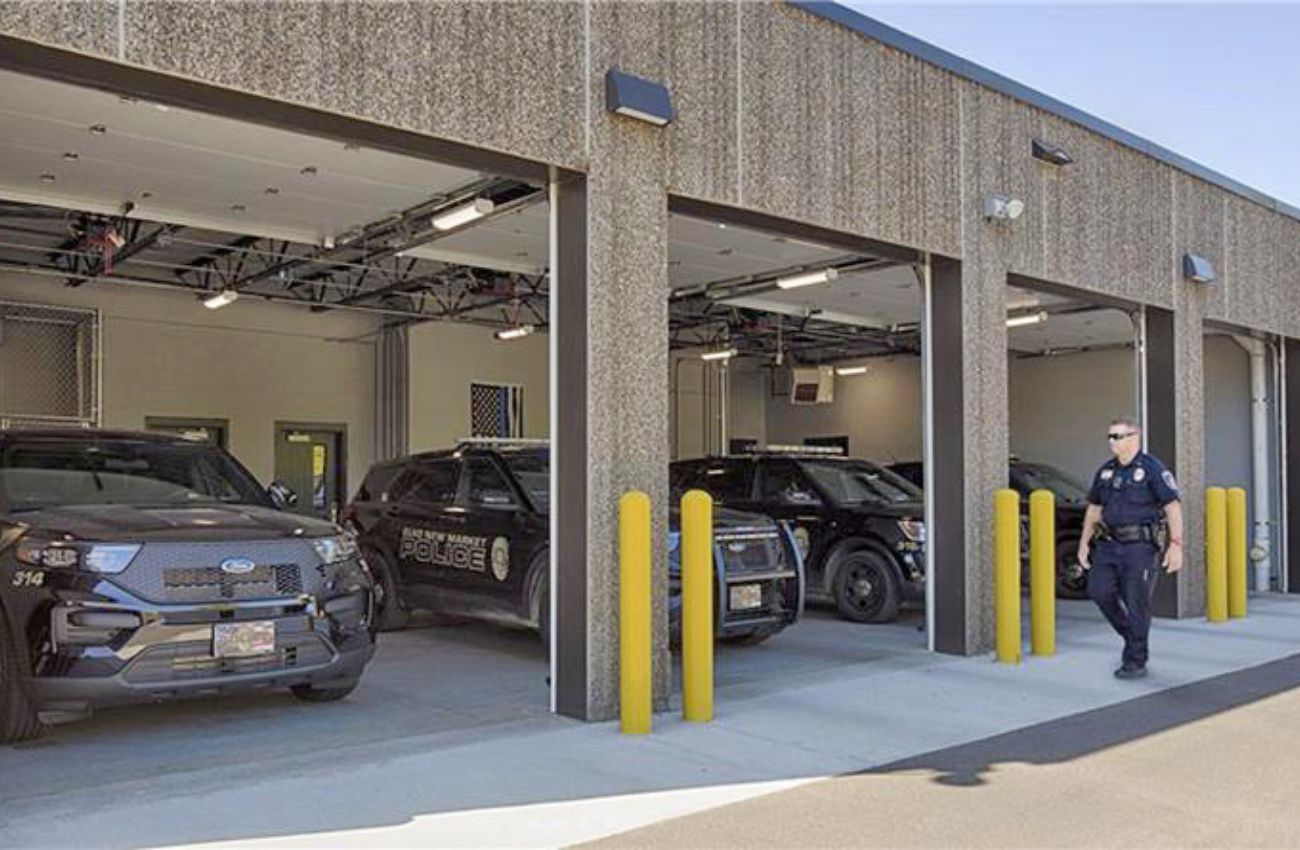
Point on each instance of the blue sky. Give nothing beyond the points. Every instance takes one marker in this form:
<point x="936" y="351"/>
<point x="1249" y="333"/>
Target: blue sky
<point x="1218" y="83"/>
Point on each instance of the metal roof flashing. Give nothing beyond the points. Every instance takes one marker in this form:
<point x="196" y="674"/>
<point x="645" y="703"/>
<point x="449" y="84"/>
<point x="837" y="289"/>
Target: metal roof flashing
<point x="951" y="62"/>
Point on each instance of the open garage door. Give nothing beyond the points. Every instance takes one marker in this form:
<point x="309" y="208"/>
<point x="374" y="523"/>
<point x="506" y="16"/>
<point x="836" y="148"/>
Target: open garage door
<point x="366" y="327"/>
<point x="797" y="400"/>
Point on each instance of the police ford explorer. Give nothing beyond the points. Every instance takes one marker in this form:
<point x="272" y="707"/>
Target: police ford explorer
<point x="859" y="527"/>
<point x="1071" y="502"/>
<point x="466" y="532"/>
<point x="140" y="566"/>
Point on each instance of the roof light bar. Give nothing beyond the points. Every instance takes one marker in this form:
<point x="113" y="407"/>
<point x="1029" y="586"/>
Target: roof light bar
<point x="845" y="371"/>
<point x="221" y="299"/>
<point x="517" y="332"/>
<point x="463" y="214"/>
<point x="778" y="448"/>
<point x="1026" y="320"/>
<point x="724" y="354"/>
<point x="807" y="279"/>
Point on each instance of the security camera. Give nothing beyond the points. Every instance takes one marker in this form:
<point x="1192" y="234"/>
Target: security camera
<point x="1003" y="208"/>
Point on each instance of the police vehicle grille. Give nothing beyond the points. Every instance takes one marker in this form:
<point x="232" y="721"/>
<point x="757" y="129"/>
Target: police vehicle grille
<point x="181" y="662"/>
<point x="191" y="572"/>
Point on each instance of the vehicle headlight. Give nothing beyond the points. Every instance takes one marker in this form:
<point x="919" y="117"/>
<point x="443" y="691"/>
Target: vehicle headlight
<point x="111" y="557"/>
<point x="107" y="558"/>
<point x="913" y="529"/>
<point x="332" y="550"/>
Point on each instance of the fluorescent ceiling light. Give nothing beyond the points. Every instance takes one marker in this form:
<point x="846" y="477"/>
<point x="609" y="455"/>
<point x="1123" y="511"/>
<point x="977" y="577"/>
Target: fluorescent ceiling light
<point x="850" y="370"/>
<point x="517" y="332"/>
<point x="724" y="354"/>
<point x="807" y="279"/>
<point x="221" y="299"/>
<point x="463" y="214"/>
<point x="1030" y="319"/>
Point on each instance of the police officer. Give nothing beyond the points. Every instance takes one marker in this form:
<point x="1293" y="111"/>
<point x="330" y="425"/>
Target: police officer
<point x="1132" y="506"/>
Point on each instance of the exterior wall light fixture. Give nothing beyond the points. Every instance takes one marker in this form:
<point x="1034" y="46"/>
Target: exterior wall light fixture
<point x="1198" y="269"/>
<point x="1050" y="153"/>
<point x="638" y="98"/>
<point x="1003" y="208"/>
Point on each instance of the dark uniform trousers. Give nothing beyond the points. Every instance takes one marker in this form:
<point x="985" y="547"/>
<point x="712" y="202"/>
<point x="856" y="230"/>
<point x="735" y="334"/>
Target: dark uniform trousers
<point x="1122" y="581"/>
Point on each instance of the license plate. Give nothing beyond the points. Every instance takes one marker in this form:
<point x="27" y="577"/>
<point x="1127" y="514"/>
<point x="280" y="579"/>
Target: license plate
<point x="240" y="640"/>
<point x="746" y="597"/>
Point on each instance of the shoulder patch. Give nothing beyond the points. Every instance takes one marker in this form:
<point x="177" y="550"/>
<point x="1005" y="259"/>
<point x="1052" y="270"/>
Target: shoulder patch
<point x="1169" y="480"/>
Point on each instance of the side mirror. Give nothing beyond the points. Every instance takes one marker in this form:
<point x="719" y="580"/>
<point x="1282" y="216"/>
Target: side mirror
<point x="282" y="495"/>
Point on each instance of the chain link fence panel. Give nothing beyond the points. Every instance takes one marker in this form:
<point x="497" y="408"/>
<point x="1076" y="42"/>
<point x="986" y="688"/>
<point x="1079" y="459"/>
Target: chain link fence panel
<point x="49" y="365"/>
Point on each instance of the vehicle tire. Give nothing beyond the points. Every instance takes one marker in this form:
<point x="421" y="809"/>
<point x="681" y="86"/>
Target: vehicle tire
<point x="390" y="611"/>
<point x="311" y="693"/>
<point x="753" y="638"/>
<point x="18" y="720"/>
<point x="1069" y="585"/>
<point x="866" y="588"/>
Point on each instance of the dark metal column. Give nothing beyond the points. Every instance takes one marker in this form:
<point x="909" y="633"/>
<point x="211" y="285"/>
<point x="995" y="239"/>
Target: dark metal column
<point x="945" y="467"/>
<point x="1161" y="423"/>
<point x="568" y="334"/>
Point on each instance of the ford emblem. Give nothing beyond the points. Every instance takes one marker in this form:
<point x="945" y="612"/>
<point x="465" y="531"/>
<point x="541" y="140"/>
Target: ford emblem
<point x="238" y="566"/>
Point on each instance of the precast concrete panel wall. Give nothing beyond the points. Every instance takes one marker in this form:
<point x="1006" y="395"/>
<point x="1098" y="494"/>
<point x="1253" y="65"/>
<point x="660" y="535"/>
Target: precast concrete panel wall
<point x="780" y="110"/>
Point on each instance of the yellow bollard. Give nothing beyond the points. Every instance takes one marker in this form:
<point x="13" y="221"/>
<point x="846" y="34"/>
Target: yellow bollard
<point x="697" y="607"/>
<point x="1216" y="555"/>
<point x="634" y="612"/>
<point x="1236" y="552"/>
<point x="1006" y="576"/>
<point x="1042" y="572"/>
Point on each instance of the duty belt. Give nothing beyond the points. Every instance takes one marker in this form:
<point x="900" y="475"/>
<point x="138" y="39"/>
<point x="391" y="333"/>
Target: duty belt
<point x="1129" y="533"/>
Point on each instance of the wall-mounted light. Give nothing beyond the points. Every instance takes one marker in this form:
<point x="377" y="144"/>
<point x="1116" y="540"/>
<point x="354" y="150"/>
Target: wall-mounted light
<point x="1003" y="208"/>
<point x="722" y="354"/>
<point x="517" y="332"/>
<point x="221" y="299"/>
<point x="634" y="97"/>
<point x="845" y="371"/>
<point x="463" y="214"/>
<point x="807" y="279"/>
<point x="1198" y="269"/>
<point x="1027" y="319"/>
<point x="1050" y="153"/>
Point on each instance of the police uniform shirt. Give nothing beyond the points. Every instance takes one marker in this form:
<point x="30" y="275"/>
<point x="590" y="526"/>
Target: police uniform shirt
<point x="1135" y="494"/>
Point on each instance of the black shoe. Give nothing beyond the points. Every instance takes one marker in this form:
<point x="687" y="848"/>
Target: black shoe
<point x="1131" y="671"/>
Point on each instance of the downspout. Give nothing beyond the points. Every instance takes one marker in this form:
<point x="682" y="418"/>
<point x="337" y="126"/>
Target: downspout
<point x="1261" y="483"/>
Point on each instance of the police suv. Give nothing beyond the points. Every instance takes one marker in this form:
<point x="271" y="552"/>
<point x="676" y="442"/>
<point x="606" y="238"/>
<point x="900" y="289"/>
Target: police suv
<point x="139" y="566"/>
<point x="466" y="531"/>
<point x="859" y="527"/>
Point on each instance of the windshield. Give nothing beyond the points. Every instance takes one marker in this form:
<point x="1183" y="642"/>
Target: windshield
<point x="533" y="472"/>
<point x="38" y="474"/>
<point x="1039" y="476"/>
<point x="858" y="482"/>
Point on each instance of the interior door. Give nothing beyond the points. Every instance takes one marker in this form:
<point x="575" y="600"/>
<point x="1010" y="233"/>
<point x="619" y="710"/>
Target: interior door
<point x="309" y="460"/>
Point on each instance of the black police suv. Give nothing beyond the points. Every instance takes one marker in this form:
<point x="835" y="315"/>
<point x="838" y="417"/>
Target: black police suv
<point x="1071" y="503"/>
<point x="466" y="531"/>
<point x="139" y="567"/>
<point x="860" y="527"/>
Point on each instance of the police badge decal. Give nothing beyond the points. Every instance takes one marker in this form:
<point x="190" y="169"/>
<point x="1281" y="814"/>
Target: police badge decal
<point x="500" y="558"/>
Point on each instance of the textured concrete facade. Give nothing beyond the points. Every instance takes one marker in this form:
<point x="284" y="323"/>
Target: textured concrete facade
<point x="779" y="111"/>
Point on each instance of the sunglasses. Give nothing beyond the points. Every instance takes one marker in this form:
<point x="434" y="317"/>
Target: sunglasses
<point x="1114" y="438"/>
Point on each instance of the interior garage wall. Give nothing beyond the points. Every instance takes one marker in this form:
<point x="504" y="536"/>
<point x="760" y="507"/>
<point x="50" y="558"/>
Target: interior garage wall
<point x="1227" y="413"/>
<point x="251" y="363"/>
<point x="446" y="358"/>
<point x="880" y="412"/>
<point x="1060" y="406"/>
<point x="693" y="400"/>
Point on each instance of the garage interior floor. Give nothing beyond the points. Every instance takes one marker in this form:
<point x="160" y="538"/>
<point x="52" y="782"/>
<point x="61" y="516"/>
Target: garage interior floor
<point x="444" y="744"/>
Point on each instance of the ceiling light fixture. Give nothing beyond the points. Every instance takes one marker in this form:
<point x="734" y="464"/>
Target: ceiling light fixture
<point x="221" y="299"/>
<point x="463" y="214"/>
<point x="807" y="279"/>
<point x="308" y="171"/>
<point x="47" y="178"/>
<point x="70" y="156"/>
<point x="1028" y="319"/>
<point x="98" y="129"/>
<point x="238" y="208"/>
<point x="517" y="332"/>
<point x="845" y="371"/>
<point x="271" y="190"/>
<point x="723" y="354"/>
